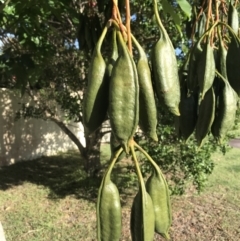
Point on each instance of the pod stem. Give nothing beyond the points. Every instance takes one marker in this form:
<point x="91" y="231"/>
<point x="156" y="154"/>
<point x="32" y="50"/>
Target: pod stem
<point x="209" y="13"/>
<point x="100" y="41"/>
<point x="223" y="79"/>
<point x="113" y="161"/>
<point x="139" y="174"/>
<point x="139" y="48"/>
<point x="146" y="155"/>
<point x="155" y="7"/>
<point x="115" y="12"/>
<point x="230" y="29"/>
<point x="155" y="166"/>
<point x="121" y="40"/>
<point x="208" y="32"/>
<point x="128" y="25"/>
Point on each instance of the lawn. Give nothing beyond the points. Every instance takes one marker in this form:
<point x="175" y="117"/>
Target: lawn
<point x="52" y="199"/>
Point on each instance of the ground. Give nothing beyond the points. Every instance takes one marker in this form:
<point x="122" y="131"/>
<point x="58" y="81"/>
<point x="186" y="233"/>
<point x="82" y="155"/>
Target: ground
<point x="51" y="199"/>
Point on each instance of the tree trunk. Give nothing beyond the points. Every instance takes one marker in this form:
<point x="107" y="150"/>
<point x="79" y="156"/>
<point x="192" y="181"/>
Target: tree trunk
<point x="69" y="133"/>
<point x="90" y="153"/>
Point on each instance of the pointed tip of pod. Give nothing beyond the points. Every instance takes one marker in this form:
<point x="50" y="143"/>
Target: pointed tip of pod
<point x="200" y="144"/>
<point x="154" y="136"/>
<point x="201" y="96"/>
<point x="175" y="111"/>
<point x="165" y="235"/>
<point x="125" y="146"/>
<point x="219" y="140"/>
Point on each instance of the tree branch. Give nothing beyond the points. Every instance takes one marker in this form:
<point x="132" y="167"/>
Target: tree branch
<point x="69" y="133"/>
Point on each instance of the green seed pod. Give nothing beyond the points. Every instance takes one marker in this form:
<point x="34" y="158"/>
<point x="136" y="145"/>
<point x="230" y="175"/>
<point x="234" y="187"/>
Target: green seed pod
<point x="147" y="105"/>
<point x="165" y="69"/>
<point x="225" y="113"/>
<point x="157" y="188"/>
<point x="142" y="213"/>
<point x="206" y="69"/>
<point x="233" y="18"/>
<point x="201" y="26"/>
<point x="222" y="59"/>
<point x="142" y="217"/>
<point x="96" y="97"/>
<point x="114" y="55"/>
<point x="188" y="109"/>
<point x="205" y="116"/>
<point x="109" y="222"/>
<point x="124" y="96"/>
<point x="192" y="81"/>
<point x="188" y="28"/>
<point x="232" y="63"/>
<point x="110" y="213"/>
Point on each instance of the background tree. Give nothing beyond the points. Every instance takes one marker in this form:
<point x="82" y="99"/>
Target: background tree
<point x="45" y="53"/>
<point x="47" y="47"/>
<point x="40" y="50"/>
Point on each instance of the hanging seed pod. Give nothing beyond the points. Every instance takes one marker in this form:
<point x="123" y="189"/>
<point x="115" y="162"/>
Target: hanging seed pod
<point x="124" y="96"/>
<point x="109" y="222"/>
<point x="96" y="97"/>
<point x="206" y="69"/>
<point x="205" y="116"/>
<point x="142" y="218"/>
<point x="157" y="188"/>
<point x="233" y="63"/>
<point x="188" y="109"/>
<point x="201" y="25"/>
<point x="188" y="28"/>
<point x="225" y="113"/>
<point x="165" y="69"/>
<point x="114" y="55"/>
<point x="192" y="78"/>
<point x="147" y="105"/>
<point x="222" y="59"/>
<point x="142" y="212"/>
<point x="233" y="18"/>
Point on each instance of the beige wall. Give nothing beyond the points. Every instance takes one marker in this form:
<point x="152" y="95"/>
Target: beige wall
<point x="29" y="139"/>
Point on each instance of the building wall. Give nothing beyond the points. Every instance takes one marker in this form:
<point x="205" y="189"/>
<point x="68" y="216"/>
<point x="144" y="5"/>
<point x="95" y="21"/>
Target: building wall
<point x="29" y="139"/>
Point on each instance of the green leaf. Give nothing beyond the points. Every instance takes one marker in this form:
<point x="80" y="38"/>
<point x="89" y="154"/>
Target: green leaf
<point x="75" y="20"/>
<point x="186" y="7"/>
<point x="168" y="8"/>
<point x="35" y="40"/>
<point x="9" y="10"/>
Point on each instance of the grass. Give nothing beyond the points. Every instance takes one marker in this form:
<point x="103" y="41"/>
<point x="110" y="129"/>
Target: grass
<point x="216" y="210"/>
<point x="53" y="199"/>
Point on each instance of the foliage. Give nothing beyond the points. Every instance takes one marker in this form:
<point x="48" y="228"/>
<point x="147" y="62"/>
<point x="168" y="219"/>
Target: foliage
<point x="182" y="162"/>
<point x="47" y="47"/>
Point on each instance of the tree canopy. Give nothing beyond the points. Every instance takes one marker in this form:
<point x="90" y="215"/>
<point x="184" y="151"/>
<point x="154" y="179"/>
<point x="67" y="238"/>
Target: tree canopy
<point x="46" y="46"/>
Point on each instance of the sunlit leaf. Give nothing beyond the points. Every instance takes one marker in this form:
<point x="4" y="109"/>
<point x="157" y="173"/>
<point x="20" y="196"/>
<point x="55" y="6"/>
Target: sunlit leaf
<point x="186" y="7"/>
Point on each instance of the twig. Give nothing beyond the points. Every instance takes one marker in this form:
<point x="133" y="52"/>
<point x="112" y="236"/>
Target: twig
<point x="31" y="231"/>
<point x="128" y="20"/>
